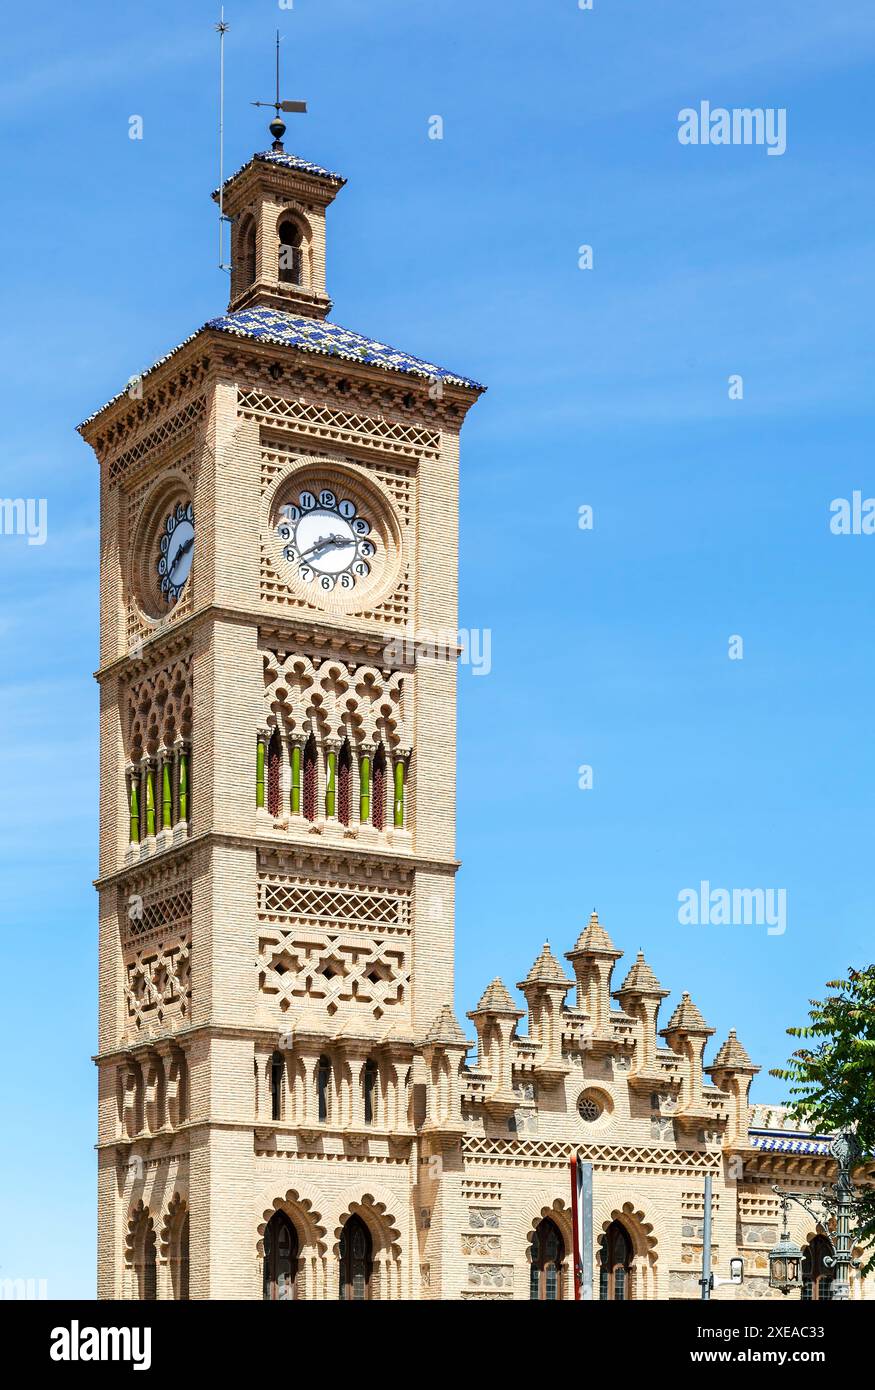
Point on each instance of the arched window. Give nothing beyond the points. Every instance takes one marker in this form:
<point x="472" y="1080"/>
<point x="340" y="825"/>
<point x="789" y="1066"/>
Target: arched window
<point x="310" y="779"/>
<point x="277" y="1077"/>
<point x="323" y="1088"/>
<point x="344" y="772"/>
<point x="378" y="812"/>
<point x="615" y="1264"/>
<point x="145" y="1258"/>
<point x="274" y="758"/>
<point x="817" y="1276"/>
<point x="356" y="1261"/>
<point x="548" y="1253"/>
<point x="369" y="1083"/>
<point x="291" y="261"/>
<point x="244" y="271"/>
<point x="280" y="1259"/>
<point x="179" y="1270"/>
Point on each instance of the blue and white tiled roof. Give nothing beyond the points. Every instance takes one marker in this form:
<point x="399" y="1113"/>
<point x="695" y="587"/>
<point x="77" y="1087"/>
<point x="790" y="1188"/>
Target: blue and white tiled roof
<point x="790" y="1142"/>
<point x="266" y="325"/>
<point x="287" y="161"/>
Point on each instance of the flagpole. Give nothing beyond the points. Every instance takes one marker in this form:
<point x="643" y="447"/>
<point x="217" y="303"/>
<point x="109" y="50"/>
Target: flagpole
<point x="575" y="1228"/>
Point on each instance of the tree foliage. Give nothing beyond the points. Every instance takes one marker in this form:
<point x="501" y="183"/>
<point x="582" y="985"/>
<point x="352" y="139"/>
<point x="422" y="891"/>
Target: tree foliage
<point x="831" y="1079"/>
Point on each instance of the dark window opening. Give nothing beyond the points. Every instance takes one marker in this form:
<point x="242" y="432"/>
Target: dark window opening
<point x="291" y="261"/>
<point x="356" y="1261"/>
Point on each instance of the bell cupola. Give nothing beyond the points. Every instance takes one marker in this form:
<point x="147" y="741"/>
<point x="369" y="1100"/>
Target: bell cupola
<point x="276" y="207"/>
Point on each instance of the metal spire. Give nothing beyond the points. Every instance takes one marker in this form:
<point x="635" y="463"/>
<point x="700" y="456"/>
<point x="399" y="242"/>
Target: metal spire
<point x="277" y="126"/>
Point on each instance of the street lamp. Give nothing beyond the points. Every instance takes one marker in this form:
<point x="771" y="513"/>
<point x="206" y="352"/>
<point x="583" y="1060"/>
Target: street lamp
<point x="785" y="1258"/>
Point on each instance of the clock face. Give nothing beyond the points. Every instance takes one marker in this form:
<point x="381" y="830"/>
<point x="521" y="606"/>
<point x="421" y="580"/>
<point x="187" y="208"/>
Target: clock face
<point x="175" y="551"/>
<point x="327" y="540"/>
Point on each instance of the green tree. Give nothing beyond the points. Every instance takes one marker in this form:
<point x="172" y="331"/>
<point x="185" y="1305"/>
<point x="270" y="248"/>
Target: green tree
<point x="831" y="1078"/>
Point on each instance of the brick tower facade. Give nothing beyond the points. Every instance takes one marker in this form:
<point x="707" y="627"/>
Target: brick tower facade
<point x="278" y="509"/>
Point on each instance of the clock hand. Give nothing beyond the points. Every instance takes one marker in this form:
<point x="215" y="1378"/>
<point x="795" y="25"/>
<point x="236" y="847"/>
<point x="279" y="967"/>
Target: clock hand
<point x="183" y="550"/>
<point x="326" y="541"/>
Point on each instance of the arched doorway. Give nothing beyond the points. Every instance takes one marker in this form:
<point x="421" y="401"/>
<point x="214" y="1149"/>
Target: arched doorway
<point x="356" y="1261"/>
<point x="547" y="1274"/>
<point x="615" y="1265"/>
<point x="817" y="1276"/>
<point x="280" y="1259"/>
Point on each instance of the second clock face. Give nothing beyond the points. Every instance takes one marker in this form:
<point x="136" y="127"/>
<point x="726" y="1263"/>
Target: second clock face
<point x="175" y="546"/>
<point x="327" y="539"/>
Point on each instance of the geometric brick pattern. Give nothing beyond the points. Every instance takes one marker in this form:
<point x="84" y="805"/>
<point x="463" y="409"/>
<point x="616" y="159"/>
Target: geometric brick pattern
<point x="340" y="427"/>
<point x="158" y="983"/>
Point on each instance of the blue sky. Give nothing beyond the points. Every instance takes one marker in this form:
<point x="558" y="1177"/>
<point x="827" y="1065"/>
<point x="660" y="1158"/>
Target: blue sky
<point x="608" y="388"/>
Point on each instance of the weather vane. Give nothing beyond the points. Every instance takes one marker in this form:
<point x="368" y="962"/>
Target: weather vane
<point x="278" y="126"/>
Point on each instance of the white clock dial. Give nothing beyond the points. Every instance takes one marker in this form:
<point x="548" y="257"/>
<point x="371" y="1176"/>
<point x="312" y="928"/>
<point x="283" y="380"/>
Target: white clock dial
<point x="175" y="551"/>
<point x="326" y="540"/>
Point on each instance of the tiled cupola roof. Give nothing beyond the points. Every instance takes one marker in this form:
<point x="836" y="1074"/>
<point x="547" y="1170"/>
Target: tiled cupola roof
<point x="546" y="970"/>
<point x="642" y="981"/>
<point x="264" y="324"/>
<point x="686" y="1019"/>
<point x="283" y="160"/>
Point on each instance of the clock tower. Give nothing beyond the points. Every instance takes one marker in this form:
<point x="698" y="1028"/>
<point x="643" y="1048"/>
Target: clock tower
<point x="278" y="1058"/>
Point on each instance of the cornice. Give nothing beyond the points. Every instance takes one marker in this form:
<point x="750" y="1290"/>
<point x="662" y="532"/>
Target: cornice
<point x="292" y="632"/>
<point x="282" y="845"/>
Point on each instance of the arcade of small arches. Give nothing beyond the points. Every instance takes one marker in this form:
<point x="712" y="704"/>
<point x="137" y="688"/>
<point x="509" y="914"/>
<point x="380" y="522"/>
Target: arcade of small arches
<point x="355" y="786"/>
<point x="152" y="1091"/>
<point x="159" y="794"/>
<point x="158" y="743"/>
<point x="333" y="743"/>
<point x="369" y="1092"/>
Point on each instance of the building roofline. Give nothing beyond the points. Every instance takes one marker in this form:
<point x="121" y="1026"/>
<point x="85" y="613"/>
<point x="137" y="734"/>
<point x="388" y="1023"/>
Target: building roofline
<point x="225" y="326"/>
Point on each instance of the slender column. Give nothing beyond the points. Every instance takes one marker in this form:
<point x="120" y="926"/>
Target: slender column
<point x="331" y="783"/>
<point x="149" y="773"/>
<point x="296" y="779"/>
<point x="183" y="783"/>
<point x="365" y="785"/>
<point x="166" y="788"/>
<point x="399" y="794"/>
<point x="133" y="804"/>
<point x="174" y="781"/>
<point x="260" y="753"/>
